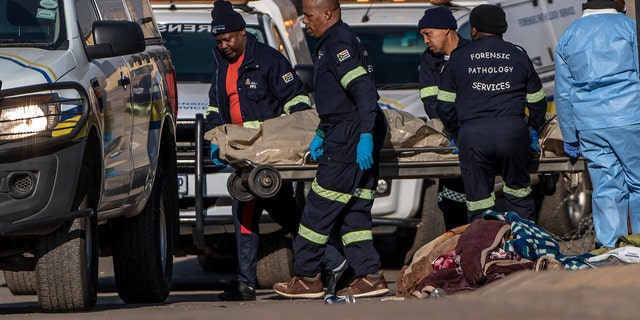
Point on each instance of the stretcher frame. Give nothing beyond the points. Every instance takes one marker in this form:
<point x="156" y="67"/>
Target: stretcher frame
<point x="251" y="179"/>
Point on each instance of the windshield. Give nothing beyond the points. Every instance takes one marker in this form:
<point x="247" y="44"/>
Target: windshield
<point x="191" y="48"/>
<point x="32" y="22"/>
<point x="395" y="53"/>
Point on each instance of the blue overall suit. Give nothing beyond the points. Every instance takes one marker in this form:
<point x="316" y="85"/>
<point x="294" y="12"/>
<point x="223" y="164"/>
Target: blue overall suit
<point x="342" y="193"/>
<point x="597" y="98"/>
<point x="451" y="195"/>
<point x="267" y="88"/>
<point x="484" y="90"/>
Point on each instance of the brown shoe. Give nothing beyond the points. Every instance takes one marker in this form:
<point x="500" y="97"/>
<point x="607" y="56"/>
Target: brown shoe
<point x="301" y="287"/>
<point x="371" y="285"/>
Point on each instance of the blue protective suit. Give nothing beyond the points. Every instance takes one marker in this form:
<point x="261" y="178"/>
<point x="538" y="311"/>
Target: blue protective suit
<point x="597" y="98"/>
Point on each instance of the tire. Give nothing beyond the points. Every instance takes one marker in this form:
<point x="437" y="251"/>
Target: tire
<point x="67" y="259"/>
<point x="143" y="247"/>
<point x="561" y="212"/>
<point x="21" y="283"/>
<point x="431" y="219"/>
<point x="275" y="259"/>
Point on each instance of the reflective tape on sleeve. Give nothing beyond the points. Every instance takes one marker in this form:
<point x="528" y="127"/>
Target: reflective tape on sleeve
<point x="297" y="99"/>
<point x="535" y="97"/>
<point x="482" y="204"/>
<point x="252" y="124"/>
<point x="312" y="235"/>
<point x="355" y="236"/>
<point x="446" y="96"/>
<point x="359" y="71"/>
<point x="211" y="109"/>
<point x="519" y="193"/>
<point x="426" y="92"/>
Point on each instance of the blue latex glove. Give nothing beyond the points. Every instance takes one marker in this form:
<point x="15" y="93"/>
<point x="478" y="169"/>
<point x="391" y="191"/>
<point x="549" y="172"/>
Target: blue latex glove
<point x="364" y="151"/>
<point x="572" y="149"/>
<point x="315" y="148"/>
<point x="535" y="141"/>
<point x="452" y="143"/>
<point x="215" y="155"/>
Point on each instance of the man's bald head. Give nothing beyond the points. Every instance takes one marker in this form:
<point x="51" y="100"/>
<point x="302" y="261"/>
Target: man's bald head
<point x="319" y="15"/>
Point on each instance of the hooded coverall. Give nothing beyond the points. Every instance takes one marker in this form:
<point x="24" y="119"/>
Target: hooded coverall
<point x="484" y="90"/>
<point x="597" y="98"/>
<point x="267" y="88"/>
<point x="346" y="101"/>
<point x="451" y="195"/>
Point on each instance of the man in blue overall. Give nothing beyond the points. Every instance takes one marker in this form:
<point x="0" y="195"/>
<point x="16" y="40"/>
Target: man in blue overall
<point x="346" y="146"/>
<point x="484" y="91"/>
<point x="253" y="82"/>
<point x="438" y="29"/>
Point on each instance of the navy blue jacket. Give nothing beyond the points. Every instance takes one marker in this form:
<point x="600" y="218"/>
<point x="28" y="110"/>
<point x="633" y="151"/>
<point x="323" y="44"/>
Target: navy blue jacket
<point x="429" y="77"/>
<point x="267" y="87"/>
<point x="344" y="75"/>
<point x="489" y="78"/>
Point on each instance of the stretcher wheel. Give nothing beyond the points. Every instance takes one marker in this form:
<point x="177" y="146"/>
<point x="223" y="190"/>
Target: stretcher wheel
<point x="237" y="189"/>
<point x="264" y="181"/>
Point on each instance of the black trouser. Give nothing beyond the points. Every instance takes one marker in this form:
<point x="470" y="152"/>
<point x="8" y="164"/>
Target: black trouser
<point x="493" y="146"/>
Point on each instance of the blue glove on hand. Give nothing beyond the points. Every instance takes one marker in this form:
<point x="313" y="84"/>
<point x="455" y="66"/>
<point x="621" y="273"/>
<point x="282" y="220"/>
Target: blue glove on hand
<point x="535" y="141"/>
<point x="364" y="151"/>
<point x="452" y="143"/>
<point x="572" y="149"/>
<point x="215" y="155"/>
<point x="315" y="148"/>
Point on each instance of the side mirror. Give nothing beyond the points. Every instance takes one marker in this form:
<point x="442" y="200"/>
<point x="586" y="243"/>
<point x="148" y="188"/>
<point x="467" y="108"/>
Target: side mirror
<point x="116" y="38"/>
<point x="305" y="72"/>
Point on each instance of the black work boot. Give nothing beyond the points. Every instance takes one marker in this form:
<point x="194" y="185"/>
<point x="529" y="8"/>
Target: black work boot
<point x="333" y="276"/>
<point x="238" y="291"/>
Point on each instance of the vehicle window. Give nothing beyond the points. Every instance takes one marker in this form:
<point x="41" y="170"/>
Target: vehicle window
<point x="86" y="14"/>
<point x="279" y="42"/>
<point x="395" y="53"/>
<point x="30" y="21"/>
<point x="191" y="48"/>
<point x="112" y="10"/>
<point x="465" y="30"/>
<point x="141" y="13"/>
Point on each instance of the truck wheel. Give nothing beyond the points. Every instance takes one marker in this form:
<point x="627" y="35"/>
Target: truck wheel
<point x="21" y="283"/>
<point x="275" y="259"/>
<point x="67" y="259"/>
<point x="143" y="247"/>
<point x="431" y="219"/>
<point x="561" y="212"/>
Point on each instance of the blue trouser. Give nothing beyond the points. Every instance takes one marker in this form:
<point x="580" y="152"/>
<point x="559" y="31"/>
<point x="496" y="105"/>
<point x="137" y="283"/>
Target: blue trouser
<point x="284" y="210"/>
<point x="341" y="194"/>
<point x="452" y="202"/>
<point x="491" y="146"/>
<point x="614" y="167"/>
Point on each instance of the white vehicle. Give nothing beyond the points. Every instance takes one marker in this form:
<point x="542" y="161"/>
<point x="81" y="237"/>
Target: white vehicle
<point x="87" y="137"/>
<point x="388" y="31"/>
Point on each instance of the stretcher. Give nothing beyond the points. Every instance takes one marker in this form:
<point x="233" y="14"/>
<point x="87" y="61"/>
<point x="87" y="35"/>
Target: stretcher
<point x="251" y="179"/>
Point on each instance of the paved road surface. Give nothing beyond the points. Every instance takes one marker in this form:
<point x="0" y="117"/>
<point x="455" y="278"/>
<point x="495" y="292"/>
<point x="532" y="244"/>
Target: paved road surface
<point x="606" y="293"/>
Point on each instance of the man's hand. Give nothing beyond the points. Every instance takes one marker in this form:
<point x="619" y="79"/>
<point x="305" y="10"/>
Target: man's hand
<point x="572" y="149"/>
<point x="215" y="156"/>
<point x="364" y="151"/>
<point x="452" y="143"/>
<point x="535" y="141"/>
<point x="315" y="148"/>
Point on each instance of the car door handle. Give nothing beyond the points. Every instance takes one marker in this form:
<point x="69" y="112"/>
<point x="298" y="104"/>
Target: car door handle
<point x="124" y="81"/>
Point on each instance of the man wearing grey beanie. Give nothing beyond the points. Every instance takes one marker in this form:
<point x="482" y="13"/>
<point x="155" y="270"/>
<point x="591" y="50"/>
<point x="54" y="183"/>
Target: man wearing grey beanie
<point x="438" y="29"/>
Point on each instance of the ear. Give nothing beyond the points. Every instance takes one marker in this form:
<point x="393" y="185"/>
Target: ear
<point x="473" y="32"/>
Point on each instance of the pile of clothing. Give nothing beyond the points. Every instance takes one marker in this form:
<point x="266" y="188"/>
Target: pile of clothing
<point x="488" y="249"/>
